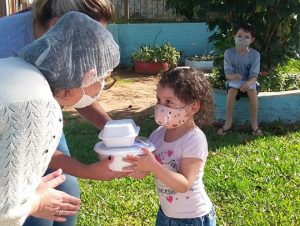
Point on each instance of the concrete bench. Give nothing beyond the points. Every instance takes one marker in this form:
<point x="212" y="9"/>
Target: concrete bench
<point x="273" y="107"/>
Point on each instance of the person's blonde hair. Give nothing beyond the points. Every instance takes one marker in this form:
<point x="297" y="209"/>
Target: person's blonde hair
<point x="44" y="10"/>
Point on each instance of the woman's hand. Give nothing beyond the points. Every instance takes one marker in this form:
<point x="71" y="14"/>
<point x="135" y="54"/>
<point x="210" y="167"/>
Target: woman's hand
<point x="53" y="204"/>
<point x="100" y="171"/>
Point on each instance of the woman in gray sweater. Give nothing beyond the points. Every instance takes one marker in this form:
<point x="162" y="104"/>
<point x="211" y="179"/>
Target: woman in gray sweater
<point x="65" y="67"/>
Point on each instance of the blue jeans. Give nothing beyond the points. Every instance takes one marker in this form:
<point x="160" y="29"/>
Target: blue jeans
<point x="206" y="220"/>
<point x="70" y="186"/>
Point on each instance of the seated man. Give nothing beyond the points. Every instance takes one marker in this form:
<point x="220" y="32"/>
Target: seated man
<point x="241" y="67"/>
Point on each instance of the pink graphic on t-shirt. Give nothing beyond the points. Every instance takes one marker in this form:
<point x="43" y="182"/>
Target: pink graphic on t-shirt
<point x="170" y="152"/>
<point x="169" y="198"/>
<point x="158" y="159"/>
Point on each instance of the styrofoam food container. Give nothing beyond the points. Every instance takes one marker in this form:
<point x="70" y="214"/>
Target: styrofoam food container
<point x="119" y="152"/>
<point x="119" y="133"/>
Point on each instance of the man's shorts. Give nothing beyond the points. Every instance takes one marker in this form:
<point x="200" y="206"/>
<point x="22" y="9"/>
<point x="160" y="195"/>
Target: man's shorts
<point x="238" y="84"/>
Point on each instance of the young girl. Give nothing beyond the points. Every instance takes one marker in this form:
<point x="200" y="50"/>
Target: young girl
<point x="181" y="149"/>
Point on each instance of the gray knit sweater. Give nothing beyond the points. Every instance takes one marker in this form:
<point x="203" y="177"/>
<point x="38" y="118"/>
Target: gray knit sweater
<point x="30" y="128"/>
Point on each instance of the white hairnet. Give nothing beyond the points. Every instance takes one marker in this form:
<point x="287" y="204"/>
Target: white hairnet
<point x="74" y="45"/>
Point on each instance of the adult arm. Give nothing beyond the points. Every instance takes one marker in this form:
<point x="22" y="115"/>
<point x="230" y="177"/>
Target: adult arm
<point x="96" y="171"/>
<point x="95" y="114"/>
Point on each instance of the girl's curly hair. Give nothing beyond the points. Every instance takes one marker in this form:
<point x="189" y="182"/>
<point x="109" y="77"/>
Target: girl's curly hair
<point x="191" y="85"/>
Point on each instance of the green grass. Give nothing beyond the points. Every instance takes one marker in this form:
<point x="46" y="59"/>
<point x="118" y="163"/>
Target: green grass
<point x="251" y="180"/>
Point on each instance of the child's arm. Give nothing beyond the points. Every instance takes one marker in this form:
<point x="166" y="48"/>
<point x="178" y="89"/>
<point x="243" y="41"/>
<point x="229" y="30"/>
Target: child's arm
<point x="229" y="69"/>
<point x="253" y="73"/>
<point x="179" y="182"/>
<point x="138" y="174"/>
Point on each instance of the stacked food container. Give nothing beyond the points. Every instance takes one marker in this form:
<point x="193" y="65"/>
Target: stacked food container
<point x="119" y="139"/>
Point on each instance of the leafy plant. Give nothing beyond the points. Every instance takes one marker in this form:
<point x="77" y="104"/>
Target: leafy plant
<point x="215" y="80"/>
<point x="203" y="57"/>
<point x="276" y="80"/>
<point x="155" y="53"/>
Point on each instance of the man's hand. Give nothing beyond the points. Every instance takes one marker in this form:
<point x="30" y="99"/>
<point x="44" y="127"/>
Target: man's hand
<point x="246" y="85"/>
<point x="234" y="77"/>
<point x="52" y="204"/>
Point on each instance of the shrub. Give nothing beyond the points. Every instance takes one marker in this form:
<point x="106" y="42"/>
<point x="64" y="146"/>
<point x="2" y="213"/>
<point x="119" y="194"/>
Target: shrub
<point x="165" y="53"/>
<point x="203" y="57"/>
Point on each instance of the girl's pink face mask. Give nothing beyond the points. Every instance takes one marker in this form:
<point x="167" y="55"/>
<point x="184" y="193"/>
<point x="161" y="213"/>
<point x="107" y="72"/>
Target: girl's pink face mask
<point x="170" y="117"/>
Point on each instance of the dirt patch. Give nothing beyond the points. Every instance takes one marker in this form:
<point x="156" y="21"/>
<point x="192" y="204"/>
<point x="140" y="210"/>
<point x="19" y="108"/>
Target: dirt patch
<point x="133" y="95"/>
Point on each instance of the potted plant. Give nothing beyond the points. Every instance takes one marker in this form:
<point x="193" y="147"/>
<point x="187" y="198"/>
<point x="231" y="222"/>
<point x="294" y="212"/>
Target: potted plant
<point x="154" y="59"/>
<point x="203" y="62"/>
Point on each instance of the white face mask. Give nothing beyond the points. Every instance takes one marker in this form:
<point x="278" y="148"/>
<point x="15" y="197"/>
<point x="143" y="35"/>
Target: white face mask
<point x="85" y="100"/>
<point x="242" y="42"/>
<point x="89" y="78"/>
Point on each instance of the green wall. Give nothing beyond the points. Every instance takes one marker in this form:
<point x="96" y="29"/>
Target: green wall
<point x="189" y="38"/>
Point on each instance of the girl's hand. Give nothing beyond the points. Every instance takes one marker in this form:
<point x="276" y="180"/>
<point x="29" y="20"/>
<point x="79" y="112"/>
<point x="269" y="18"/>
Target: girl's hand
<point x="145" y="162"/>
<point x="137" y="174"/>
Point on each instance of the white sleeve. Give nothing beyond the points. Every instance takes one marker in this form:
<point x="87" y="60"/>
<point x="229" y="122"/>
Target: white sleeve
<point x="195" y="146"/>
<point x="29" y="135"/>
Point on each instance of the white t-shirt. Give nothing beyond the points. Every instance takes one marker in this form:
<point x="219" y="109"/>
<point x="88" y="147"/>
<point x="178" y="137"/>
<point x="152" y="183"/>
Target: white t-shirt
<point x="195" y="202"/>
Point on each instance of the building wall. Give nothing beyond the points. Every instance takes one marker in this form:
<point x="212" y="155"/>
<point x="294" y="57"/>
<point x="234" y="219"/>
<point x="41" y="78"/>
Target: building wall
<point x="189" y="38"/>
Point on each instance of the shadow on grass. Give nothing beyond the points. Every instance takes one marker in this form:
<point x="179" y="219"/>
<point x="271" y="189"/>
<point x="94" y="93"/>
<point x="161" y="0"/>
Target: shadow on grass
<point x="82" y="136"/>
<point x="242" y="135"/>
